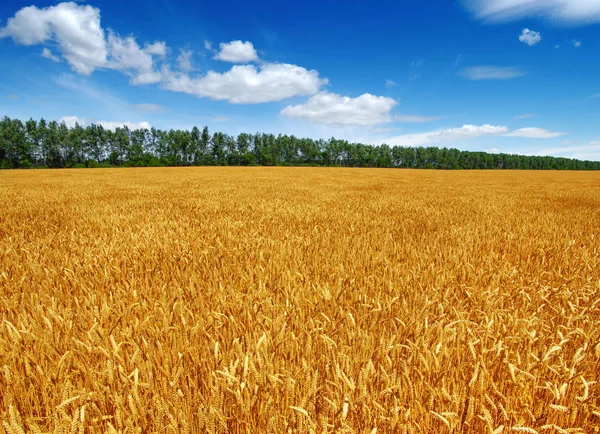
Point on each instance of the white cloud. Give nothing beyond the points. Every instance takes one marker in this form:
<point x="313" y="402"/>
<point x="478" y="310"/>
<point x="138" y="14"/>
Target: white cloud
<point x="74" y="28"/>
<point x="237" y="52"/>
<point x="390" y="83"/>
<point x="416" y="119"/>
<point x="566" y="11"/>
<point x="208" y="45"/>
<point x="158" y="48"/>
<point x="491" y="72"/>
<point x="245" y="84"/>
<point x="74" y="32"/>
<point x="113" y="125"/>
<point x="440" y="136"/>
<point x="589" y="151"/>
<point x="149" y="108"/>
<point x="535" y="133"/>
<point x="526" y="116"/>
<point x="576" y="44"/>
<point x="380" y="130"/>
<point x="530" y="37"/>
<point x="184" y="60"/>
<point x="46" y="53"/>
<point x="148" y="77"/>
<point x="129" y="58"/>
<point x="79" y="38"/>
<point x="557" y="46"/>
<point x="71" y="121"/>
<point x="333" y="109"/>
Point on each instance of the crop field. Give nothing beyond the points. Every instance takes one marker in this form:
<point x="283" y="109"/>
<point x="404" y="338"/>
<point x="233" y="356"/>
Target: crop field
<point x="299" y="300"/>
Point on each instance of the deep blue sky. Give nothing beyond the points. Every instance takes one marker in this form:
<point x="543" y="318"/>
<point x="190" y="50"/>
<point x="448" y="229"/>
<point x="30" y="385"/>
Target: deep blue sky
<point x="402" y="72"/>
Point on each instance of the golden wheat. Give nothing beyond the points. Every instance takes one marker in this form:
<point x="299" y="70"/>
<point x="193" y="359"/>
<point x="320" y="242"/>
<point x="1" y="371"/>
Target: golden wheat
<point x="293" y="300"/>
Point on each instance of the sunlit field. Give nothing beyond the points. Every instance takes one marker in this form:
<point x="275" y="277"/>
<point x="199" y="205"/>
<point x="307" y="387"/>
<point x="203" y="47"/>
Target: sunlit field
<point x="299" y="300"/>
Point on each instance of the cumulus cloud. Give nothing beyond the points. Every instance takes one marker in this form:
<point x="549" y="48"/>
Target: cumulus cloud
<point x="74" y="28"/>
<point x="333" y="109"/>
<point x="576" y="44"/>
<point x="128" y="57"/>
<point x="246" y="84"/>
<point x="237" y="52"/>
<point x="71" y="121"/>
<point x="535" y="133"/>
<point x="530" y="37"/>
<point x="46" y="53"/>
<point x="446" y="135"/>
<point x="76" y="32"/>
<point x="416" y="119"/>
<point x="566" y="11"/>
<point x="491" y="72"/>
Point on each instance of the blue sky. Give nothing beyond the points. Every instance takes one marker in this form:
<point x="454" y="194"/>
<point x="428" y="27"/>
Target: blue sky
<point x="518" y="76"/>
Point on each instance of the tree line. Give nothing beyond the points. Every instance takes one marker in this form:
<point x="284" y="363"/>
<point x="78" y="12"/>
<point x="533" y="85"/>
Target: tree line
<point x="44" y="144"/>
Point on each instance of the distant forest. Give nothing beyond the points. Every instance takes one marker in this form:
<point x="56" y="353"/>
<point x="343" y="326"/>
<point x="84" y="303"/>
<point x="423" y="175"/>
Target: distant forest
<point x="43" y="144"/>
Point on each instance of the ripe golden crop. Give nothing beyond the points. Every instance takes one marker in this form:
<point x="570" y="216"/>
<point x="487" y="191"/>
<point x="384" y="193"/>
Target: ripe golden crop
<point x="299" y="300"/>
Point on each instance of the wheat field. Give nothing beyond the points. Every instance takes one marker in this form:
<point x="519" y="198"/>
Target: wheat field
<point x="299" y="300"/>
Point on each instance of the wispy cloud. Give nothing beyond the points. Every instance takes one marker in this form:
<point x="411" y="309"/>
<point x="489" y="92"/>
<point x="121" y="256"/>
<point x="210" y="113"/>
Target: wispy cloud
<point x="46" y="53"/>
<point x="380" y="130"/>
<point x="526" y="116"/>
<point x="535" y="133"/>
<point x="390" y="83"/>
<point x="220" y="119"/>
<point x="96" y="98"/>
<point x="184" y="60"/>
<point x="491" y="72"/>
<point x="445" y="135"/>
<point x="149" y="108"/>
<point x="576" y="43"/>
<point x="13" y="97"/>
<point x="588" y="151"/>
<point x="562" y="11"/>
<point x="82" y="88"/>
<point x="467" y="132"/>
